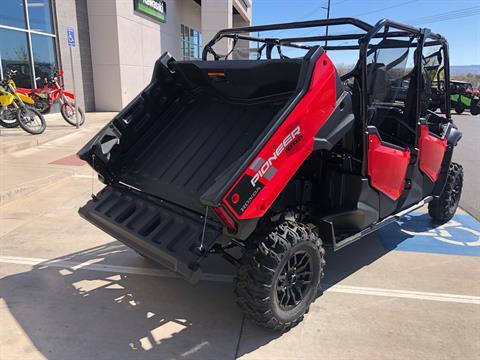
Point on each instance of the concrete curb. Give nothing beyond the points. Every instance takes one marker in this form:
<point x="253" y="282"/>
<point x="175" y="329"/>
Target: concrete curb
<point x="36" y="140"/>
<point x="31" y="187"/>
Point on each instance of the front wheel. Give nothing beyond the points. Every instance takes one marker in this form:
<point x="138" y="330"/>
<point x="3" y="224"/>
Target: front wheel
<point x="68" y="113"/>
<point x="279" y="275"/>
<point x="475" y="110"/>
<point x="444" y="207"/>
<point x="31" y="121"/>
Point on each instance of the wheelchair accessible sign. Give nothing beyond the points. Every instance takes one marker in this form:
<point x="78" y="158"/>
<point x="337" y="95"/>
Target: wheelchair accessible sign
<point x="71" y="37"/>
<point x="460" y="236"/>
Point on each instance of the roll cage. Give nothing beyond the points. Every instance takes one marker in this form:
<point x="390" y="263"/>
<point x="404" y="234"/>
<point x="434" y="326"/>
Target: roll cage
<point x="368" y="32"/>
<point x="383" y="29"/>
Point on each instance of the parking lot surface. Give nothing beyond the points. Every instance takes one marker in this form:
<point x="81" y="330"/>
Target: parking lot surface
<point x="69" y="291"/>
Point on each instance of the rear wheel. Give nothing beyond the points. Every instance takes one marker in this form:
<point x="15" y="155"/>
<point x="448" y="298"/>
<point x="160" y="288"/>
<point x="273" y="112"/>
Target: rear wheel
<point x="68" y="113"/>
<point x="444" y="207"/>
<point x="8" y="117"/>
<point x="475" y="110"/>
<point x="31" y="121"/>
<point x="459" y="108"/>
<point x="279" y="276"/>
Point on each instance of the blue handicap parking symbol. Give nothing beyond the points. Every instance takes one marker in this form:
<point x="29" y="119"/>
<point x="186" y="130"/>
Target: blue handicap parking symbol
<point x="418" y="233"/>
<point x="70" y="37"/>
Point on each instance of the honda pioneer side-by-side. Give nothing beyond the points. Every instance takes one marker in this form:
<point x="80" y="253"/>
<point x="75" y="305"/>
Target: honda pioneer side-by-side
<point x="276" y="154"/>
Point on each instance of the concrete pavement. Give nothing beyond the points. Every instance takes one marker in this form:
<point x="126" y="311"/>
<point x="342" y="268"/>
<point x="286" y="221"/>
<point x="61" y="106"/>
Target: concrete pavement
<point x="26" y="161"/>
<point x="93" y="300"/>
<point x="69" y="291"/>
<point x="467" y="153"/>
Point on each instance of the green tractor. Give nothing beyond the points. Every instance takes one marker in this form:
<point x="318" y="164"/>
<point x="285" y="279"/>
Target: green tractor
<point x="462" y="97"/>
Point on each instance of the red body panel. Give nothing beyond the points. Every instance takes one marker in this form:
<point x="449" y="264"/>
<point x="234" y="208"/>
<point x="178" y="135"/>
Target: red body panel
<point x="431" y="149"/>
<point x="387" y="167"/>
<point x="288" y="148"/>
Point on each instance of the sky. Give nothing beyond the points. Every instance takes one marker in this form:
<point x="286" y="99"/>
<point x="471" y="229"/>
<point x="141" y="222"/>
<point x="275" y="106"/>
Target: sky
<point x="457" y="20"/>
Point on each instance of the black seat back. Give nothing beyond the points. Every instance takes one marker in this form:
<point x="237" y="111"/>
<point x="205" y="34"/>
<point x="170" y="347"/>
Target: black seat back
<point x="244" y="79"/>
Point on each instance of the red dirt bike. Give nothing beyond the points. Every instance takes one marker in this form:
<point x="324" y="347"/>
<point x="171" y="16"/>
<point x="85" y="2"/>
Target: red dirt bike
<point x="53" y="90"/>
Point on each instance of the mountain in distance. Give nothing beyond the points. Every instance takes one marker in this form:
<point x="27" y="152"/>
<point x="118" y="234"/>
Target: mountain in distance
<point x="464" y="69"/>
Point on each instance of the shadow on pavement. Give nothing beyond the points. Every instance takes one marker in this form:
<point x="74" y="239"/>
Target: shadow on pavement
<point x="72" y="313"/>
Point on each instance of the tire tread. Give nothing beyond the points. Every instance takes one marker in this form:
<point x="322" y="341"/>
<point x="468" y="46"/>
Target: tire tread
<point x="255" y="274"/>
<point x="438" y="209"/>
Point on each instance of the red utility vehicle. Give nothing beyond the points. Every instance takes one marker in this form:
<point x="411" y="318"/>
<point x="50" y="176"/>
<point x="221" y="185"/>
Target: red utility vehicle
<point x="276" y="158"/>
<point x="52" y="91"/>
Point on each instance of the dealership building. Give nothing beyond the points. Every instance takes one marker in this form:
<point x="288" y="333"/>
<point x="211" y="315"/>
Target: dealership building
<point x="116" y="42"/>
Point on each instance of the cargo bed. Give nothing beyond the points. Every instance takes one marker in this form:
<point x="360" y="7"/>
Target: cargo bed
<point x="179" y="161"/>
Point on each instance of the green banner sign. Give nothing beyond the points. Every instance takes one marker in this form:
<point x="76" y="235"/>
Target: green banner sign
<point x="155" y="9"/>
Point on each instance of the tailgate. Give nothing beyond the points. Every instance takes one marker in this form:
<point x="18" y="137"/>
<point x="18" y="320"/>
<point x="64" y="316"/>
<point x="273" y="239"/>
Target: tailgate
<point x="163" y="232"/>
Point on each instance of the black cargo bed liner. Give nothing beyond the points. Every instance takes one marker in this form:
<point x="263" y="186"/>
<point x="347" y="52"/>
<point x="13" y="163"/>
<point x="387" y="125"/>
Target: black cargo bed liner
<point x="179" y="160"/>
<point x="157" y="229"/>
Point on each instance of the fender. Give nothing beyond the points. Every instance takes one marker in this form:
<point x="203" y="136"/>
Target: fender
<point x="69" y="94"/>
<point x="26" y="99"/>
<point x="453" y="137"/>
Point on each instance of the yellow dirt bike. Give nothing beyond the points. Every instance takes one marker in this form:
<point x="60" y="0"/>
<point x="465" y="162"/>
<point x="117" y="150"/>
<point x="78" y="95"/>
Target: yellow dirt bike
<point x="15" y="110"/>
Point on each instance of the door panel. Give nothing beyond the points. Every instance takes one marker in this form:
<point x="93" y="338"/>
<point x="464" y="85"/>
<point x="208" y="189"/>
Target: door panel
<point x="431" y="149"/>
<point x="387" y="165"/>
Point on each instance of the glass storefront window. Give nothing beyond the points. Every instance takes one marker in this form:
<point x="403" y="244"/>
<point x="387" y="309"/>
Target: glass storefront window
<point x="21" y="47"/>
<point x="191" y="43"/>
<point x="12" y="13"/>
<point x="43" y="56"/>
<point x="39" y="15"/>
<point x="14" y="56"/>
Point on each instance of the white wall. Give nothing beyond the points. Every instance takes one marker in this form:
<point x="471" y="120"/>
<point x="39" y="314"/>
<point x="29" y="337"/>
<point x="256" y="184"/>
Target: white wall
<point x="102" y="21"/>
<point x="139" y="46"/>
<point x="216" y="15"/>
<point x="186" y="12"/>
<point x="74" y="13"/>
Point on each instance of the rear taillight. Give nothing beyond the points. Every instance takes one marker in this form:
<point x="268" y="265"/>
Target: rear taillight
<point x="226" y="218"/>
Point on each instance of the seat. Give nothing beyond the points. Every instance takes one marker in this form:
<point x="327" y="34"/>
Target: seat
<point x="244" y="79"/>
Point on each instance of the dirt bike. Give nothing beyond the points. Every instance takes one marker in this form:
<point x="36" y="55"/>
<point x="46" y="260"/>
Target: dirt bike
<point x="16" y="108"/>
<point x="52" y="91"/>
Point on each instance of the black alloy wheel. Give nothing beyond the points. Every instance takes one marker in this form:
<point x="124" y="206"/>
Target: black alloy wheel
<point x="444" y="207"/>
<point x="295" y="280"/>
<point x="279" y="275"/>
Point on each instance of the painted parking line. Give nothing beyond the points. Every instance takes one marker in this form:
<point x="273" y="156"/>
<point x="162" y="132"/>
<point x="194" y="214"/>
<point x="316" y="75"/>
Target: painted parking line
<point x="345" y="289"/>
<point x="416" y="232"/>
<point x="73" y="265"/>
